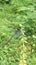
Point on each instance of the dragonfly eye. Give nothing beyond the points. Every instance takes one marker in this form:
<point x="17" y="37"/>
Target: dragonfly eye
<point x="17" y="30"/>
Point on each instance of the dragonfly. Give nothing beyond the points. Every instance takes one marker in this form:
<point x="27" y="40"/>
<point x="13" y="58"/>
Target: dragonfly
<point x="15" y="32"/>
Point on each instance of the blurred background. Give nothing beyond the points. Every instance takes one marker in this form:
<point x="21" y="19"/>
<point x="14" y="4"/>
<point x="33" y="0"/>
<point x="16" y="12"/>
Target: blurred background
<point x="17" y="32"/>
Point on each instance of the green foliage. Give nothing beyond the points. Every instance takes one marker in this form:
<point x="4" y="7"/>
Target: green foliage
<point x="17" y="31"/>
